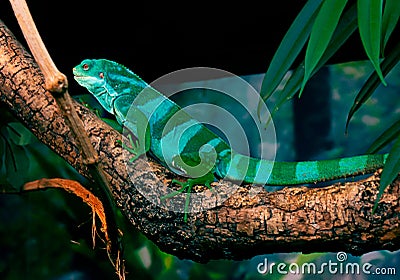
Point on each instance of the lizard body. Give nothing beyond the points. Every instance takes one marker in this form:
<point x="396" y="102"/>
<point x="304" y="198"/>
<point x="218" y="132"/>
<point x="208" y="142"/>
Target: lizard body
<point x="201" y="154"/>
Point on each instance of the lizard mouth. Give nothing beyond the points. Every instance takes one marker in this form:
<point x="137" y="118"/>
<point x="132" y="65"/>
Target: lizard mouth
<point x="79" y="78"/>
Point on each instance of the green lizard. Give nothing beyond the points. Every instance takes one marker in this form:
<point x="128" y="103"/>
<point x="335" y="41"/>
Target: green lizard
<point x="200" y="155"/>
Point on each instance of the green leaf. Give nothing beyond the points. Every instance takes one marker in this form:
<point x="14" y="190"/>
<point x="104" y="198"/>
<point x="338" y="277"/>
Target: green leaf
<point x="373" y="82"/>
<point x="3" y="150"/>
<point x="385" y="138"/>
<point x="17" y="164"/>
<point x="19" y="134"/>
<point x="347" y="26"/>
<point x="291" y="45"/>
<point x="390" y="18"/>
<point x="390" y="170"/>
<point x="292" y="85"/>
<point x="323" y="28"/>
<point x="369" y="25"/>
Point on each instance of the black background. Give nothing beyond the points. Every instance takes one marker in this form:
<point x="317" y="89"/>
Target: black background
<point x="153" y="39"/>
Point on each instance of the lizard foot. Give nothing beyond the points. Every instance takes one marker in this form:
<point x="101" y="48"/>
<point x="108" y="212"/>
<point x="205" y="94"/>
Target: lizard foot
<point x="134" y="148"/>
<point x="187" y="186"/>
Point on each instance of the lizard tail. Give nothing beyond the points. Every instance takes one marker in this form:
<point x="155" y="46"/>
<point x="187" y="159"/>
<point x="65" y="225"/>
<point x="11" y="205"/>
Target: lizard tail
<point x="264" y="172"/>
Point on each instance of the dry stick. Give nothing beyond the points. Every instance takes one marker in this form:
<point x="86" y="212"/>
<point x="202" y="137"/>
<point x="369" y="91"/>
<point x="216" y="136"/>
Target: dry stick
<point x="90" y="199"/>
<point x="75" y="188"/>
<point x="57" y="84"/>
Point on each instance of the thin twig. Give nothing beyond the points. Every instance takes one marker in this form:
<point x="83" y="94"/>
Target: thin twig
<point x="57" y="84"/>
<point x="55" y="80"/>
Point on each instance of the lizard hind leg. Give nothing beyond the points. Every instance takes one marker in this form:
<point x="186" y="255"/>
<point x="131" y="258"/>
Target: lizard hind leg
<point x="187" y="186"/>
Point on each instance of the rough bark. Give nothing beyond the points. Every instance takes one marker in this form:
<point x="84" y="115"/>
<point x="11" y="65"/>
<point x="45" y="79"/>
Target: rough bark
<point x="297" y="219"/>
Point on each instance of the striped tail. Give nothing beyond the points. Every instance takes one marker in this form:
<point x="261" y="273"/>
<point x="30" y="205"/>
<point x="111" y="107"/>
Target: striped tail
<point x="267" y="172"/>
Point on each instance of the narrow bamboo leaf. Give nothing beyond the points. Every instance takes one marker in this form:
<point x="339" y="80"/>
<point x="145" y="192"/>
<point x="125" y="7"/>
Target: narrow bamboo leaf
<point x="321" y="33"/>
<point x="390" y="18"/>
<point x="370" y="24"/>
<point x="385" y="138"/>
<point x="390" y="170"/>
<point x="288" y="91"/>
<point x="19" y="134"/>
<point x="3" y="150"/>
<point x="291" y="45"/>
<point x="17" y="162"/>
<point x="373" y="82"/>
<point x="347" y="26"/>
<point x="293" y="84"/>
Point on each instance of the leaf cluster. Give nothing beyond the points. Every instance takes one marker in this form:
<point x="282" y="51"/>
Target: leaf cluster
<point x="322" y="27"/>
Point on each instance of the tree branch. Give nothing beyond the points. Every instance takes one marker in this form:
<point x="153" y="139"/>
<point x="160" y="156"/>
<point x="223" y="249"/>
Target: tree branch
<point x="300" y="219"/>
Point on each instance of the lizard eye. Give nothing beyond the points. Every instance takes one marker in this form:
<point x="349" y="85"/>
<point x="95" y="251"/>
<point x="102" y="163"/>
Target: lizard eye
<point x="101" y="75"/>
<point x="85" y="66"/>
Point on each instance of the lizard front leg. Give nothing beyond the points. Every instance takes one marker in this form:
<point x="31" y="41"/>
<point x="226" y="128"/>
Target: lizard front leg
<point x="138" y="125"/>
<point x="200" y="174"/>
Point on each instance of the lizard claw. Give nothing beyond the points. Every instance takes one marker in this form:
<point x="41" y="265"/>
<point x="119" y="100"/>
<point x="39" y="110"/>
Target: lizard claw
<point x="187" y="187"/>
<point x="134" y="147"/>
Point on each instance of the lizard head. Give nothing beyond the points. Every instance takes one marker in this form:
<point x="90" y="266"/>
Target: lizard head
<point x="105" y="77"/>
<point x="107" y="80"/>
<point x="90" y="74"/>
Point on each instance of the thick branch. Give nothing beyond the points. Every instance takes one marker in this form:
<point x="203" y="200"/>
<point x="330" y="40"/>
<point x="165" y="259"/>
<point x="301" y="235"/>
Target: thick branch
<point x="300" y="219"/>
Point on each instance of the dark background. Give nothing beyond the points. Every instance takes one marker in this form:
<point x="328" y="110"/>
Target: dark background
<point x="154" y="39"/>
